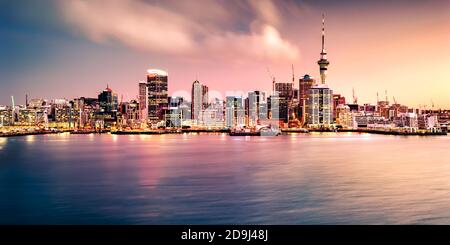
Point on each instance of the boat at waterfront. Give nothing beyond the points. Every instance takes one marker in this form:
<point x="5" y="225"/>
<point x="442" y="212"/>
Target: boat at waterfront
<point x="269" y="131"/>
<point x="261" y="131"/>
<point x="244" y="132"/>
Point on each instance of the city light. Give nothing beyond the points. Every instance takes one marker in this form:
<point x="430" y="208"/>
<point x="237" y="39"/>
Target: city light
<point x="312" y="106"/>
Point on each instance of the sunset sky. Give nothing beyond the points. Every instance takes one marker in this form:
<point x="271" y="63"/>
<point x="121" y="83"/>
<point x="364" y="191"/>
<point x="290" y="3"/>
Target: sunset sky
<point x="67" y="49"/>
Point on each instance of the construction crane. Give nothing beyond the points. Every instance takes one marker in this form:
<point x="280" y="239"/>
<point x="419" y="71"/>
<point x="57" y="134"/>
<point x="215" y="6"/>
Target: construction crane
<point x="395" y="101"/>
<point x="272" y="77"/>
<point x="355" y="99"/>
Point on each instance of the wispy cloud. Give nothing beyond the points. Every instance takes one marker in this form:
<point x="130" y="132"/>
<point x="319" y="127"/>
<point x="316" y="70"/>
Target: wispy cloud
<point x="244" y="30"/>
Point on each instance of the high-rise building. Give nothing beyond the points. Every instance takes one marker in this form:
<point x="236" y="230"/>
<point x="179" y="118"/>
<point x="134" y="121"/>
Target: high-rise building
<point x="278" y="109"/>
<point x="143" y="101"/>
<point x="320" y="96"/>
<point x="157" y="84"/>
<point x="108" y="100"/>
<point x="108" y="106"/>
<point x="257" y="107"/>
<point x="284" y="94"/>
<point x="219" y="107"/>
<point x="320" y="106"/>
<point x="174" y="113"/>
<point x="285" y="90"/>
<point x="234" y="112"/>
<point x="213" y="116"/>
<point x="186" y="111"/>
<point x="199" y="96"/>
<point x="131" y="113"/>
<point x="305" y="83"/>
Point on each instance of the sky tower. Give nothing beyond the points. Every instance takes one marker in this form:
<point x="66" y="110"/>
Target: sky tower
<point x="323" y="62"/>
<point x="319" y="105"/>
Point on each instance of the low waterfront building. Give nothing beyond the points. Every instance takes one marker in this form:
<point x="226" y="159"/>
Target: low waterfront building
<point x="428" y="122"/>
<point x="345" y="117"/>
<point x="407" y="120"/>
<point x="5" y="116"/>
<point x="337" y="101"/>
<point x="369" y="120"/>
<point x="368" y="109"/>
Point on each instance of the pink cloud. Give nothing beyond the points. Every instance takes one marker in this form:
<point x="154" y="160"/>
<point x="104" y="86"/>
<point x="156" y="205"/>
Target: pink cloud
<point x="186" y="28"/>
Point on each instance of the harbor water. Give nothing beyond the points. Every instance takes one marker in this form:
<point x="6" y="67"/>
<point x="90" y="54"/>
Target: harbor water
<point x="317" y="178"/>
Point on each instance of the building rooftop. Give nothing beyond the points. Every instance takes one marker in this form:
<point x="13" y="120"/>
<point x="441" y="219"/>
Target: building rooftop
<point x="320" y="86"/>
<point x="157" y="72"/>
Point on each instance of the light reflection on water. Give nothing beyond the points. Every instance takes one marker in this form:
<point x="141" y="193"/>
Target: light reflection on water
<point x="216" y="179"/>
<point x="2" y="142"/>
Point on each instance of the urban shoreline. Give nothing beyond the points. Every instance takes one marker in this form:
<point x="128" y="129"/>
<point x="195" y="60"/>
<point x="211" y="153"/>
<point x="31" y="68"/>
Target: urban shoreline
<point x="313" y="106"/>
<point x="185" y="131"/>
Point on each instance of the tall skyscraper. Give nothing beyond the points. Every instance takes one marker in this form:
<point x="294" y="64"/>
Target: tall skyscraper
<point x="285" y="90"/>
<point x="143" y="101"/>
<point x="108" y="100"/>
<point x="284" y="94"/>
<point x="305" y="83"/>
<point x="320" y="106"/>
<point x="234" y="112"/>
<point x="157" y="84"/>
<point x="218" y="106"/>
<point x="174" y="113"/>
<point x="320" y="96"/>
<point x="257" y="107"/>
<point x="213" y="116"/>
<point x="278" y="108"/>
<point x="199" y="96"/>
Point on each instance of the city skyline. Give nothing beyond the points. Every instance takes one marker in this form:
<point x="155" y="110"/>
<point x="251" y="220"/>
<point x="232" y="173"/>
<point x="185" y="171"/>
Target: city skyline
<point x="79" y="61"/>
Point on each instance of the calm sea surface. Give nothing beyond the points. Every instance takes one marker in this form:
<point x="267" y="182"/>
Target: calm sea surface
<point x="217" y="179"/>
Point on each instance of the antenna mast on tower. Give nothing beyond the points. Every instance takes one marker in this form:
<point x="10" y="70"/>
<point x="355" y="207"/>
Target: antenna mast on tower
<point x="293" y="75"/>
